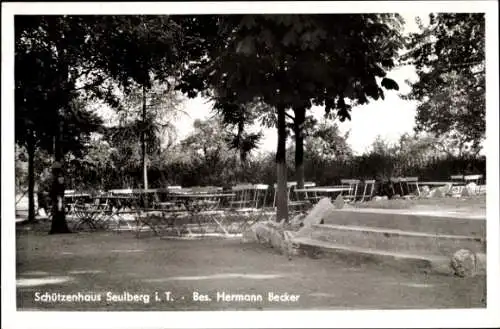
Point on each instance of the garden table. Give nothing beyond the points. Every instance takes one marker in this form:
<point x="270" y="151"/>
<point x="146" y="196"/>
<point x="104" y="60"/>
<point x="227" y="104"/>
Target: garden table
<point x="71" y="200"/>
<point x="104" y="209"/>
<point x="322" y="189"/>
<point x="196" y="203"/>
<point x="456" y="186"/>
<point x="441" y="183"/>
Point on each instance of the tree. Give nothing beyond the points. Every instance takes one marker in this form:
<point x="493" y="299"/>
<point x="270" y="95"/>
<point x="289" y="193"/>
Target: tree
<point x="135" y="49"/>
<point x="238" y="117"/>
<point x="45" y="85"/>
<point x="148" y="118"/>
<point x="64" y="49"/>
<point x="327" y="142"/>
<point x="207" y="152"/>
<point x="293" y="62"/>
<point x="449" y="56"/>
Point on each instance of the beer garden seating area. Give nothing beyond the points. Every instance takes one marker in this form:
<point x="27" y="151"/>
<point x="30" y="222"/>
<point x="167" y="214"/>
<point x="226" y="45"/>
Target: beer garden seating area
<point x="178" y="207"/>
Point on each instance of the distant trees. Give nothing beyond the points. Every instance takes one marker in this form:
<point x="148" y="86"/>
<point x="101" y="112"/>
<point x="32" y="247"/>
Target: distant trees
<point x="449" y="55"/>
<point x="326" y="141"/>
<point x="136" y="51"/>
<point x="147" y="119"/>
<point x="267" y="68"/>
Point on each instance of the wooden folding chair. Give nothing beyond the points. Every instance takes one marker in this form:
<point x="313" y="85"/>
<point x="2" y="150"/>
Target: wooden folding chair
<point x="352" y="184"/>
<point x="292" y="203"/>
<point x="368" y="190"/>
<point x="396" y="186"/>
<point x="403" y="185"/>
<point x="473" y="179"/>
<point x="210" y="202"/>
<point x="458" y="178"/>
<point x="243" y="194"/>
<point x="412" y="185"/>
<point x="304" y="198"/>
<point x="259" y="194"/>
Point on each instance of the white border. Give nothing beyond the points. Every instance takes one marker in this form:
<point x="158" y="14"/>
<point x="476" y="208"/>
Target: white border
<point x="408" y="318"/>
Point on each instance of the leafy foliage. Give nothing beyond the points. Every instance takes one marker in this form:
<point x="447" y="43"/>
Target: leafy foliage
<point x="449" y="55"/>
<point x="327" y="142"/>
<point x="289" y="60"/>
<point x="293" y="62"/>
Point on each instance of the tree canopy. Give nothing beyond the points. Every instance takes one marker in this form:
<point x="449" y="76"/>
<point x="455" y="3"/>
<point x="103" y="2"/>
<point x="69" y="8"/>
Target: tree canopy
<point x="295" y="61"/>
<point x="449" y="56"/>
<point x="267" y="68"/>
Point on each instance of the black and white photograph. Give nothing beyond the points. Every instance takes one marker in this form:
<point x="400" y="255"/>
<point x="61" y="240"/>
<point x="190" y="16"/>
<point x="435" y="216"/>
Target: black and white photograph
<point x="257" y="158"/>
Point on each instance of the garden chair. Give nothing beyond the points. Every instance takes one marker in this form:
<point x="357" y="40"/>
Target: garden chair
<point x="459" y="178"/>
<point x="351" y="194"/>
<point x="259" y="195"/>
<point x="174" y="187"/>
<point x="248" y="195"/>
<point x="209" y="200"/>
<point x="163" y="200"/>
<point x="69" y="201"/>
<point x="397" y="185"/>
<point x="368" y="190"/>
<point x="473" y="179"/>
<point x="412" y="185"/>
<point x="304" y="198"/>
<point x="243" y="196"/>
<point x="94" y="215"/>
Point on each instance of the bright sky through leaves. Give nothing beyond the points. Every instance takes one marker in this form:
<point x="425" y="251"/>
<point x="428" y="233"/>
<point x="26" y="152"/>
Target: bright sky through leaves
<point x="389" y="118"/>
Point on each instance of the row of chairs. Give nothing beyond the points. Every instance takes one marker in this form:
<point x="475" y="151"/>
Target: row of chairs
<point x="252" y="195"/>
<point x="405" y="185"/>
<point x="244" y="195"/>
<point x="477" y="179"/>
<point x="353" y="190"/>
<point x="411" y="185"/>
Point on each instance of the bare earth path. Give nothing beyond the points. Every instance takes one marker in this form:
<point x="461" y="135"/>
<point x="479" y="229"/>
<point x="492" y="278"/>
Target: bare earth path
<point x="99" y="263"/>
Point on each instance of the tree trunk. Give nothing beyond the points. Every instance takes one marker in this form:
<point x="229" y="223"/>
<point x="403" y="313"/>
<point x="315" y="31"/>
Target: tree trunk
<point x="59" y="224"/>
<point x="31" y="176"/>
<point x="143" y="145"/>
<point x="281" y="194"/>
<point x="300" y="117"/>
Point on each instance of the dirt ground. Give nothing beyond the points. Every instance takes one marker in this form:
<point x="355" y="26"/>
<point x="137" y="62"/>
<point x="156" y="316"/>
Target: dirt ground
<point x="110" y="265"/>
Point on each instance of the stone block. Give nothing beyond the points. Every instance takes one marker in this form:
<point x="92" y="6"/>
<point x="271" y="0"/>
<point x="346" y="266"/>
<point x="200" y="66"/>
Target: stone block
<point x="464" y="263"/>
<point x="339" y="202"/>
<point x="297" y="221"/>
<point x="318" y="212"/>
<point x="424" y="191"/>
<point x="436" y="193"/>
<point x="469" y="190"/>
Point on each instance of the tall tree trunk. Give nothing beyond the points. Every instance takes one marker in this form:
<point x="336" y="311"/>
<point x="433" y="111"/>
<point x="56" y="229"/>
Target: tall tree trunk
<point x="300" y="118"/>
<point x="281" y="194"/>
<point x="31" y="175"/>
<point x="59" y="224"/>
<point x="143" y="145"/>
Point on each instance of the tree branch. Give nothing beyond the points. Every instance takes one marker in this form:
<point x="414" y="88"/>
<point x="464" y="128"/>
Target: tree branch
<point x="291" y="117"/>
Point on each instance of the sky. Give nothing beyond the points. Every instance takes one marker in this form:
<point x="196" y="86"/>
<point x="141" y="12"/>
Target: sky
<point x="389" y="118"/>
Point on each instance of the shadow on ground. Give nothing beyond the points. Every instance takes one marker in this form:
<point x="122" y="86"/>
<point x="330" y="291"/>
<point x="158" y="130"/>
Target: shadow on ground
<point x="116" y="265"/>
